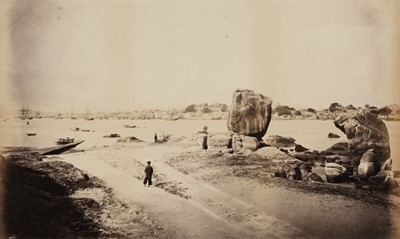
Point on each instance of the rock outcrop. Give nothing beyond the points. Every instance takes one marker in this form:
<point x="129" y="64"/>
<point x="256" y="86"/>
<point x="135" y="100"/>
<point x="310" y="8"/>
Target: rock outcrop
<point x="271" y="153"/>
<point x="162" y="137"/>
<point x="280" y="141"/>
<point x="308" y="175"/>
<point x="289" y="169"/>
<point x="250" y="113"/>
<point x="366" y="167"/>
<point x="300" y="148"/>
<point x="366" y="131"/>
<point x="251" y="143"/>
<point x="340" y="148"/>
<point x="336" y="173"/>
<point x="238" y="143"/>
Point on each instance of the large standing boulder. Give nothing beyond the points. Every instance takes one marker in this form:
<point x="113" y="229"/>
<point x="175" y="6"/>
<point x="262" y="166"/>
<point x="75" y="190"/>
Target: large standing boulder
<point x="250" y="113"/>
<point x="365" y="131"/>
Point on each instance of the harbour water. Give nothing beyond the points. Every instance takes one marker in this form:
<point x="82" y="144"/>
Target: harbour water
<point x="309" y="133"/>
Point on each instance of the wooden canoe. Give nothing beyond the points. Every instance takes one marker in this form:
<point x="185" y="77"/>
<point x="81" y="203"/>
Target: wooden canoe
<point x="59" y="149"/>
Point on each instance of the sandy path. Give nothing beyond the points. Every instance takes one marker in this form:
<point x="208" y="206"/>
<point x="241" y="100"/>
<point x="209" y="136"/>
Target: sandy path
<point x="208" y="213"/>
<point x="233" y="207"/>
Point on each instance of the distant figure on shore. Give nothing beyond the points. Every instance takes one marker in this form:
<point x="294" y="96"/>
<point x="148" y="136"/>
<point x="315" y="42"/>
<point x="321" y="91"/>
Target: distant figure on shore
<point x="148" y="174"/>
<point x="205" y="137"/>
<point x="230" y="144"/>
<point x="27" y="122"/>
<point x="205" y="145"/>
<point x="155" y="138"/>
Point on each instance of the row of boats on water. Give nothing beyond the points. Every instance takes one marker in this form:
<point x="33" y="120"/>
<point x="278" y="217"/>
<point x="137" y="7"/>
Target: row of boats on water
<point x="64" y="141"/>
<point x="83" y="130"/>
<point x="60" y="141"/>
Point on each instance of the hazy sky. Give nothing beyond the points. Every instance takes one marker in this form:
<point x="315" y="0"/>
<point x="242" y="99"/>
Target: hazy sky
<point x="116" y="54"/>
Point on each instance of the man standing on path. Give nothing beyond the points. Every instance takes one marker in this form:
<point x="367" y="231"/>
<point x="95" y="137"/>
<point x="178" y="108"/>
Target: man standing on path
<point x="148" y="173"/>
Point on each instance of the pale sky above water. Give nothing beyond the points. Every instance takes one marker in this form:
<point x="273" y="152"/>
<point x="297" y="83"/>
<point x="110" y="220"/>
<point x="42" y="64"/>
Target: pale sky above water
<point x="123" y="55"/>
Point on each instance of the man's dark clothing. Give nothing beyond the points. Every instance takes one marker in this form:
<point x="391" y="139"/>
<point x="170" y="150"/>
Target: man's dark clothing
<point x="148" y="172"/>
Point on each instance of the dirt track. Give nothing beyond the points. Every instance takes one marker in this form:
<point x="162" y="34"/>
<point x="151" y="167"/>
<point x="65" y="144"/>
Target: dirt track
<point x="195" y="198"/>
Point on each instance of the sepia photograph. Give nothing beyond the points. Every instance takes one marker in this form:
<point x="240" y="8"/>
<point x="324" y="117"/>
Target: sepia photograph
<point x="192" y="119"/>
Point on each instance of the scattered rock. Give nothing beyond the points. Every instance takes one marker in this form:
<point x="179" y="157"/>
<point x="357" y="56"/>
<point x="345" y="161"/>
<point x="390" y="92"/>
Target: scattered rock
<point x="314" y="152"/>
<point x="162" y="137"/>
<point x="332" y="158"/>
<point x="333" y="136"/>
<point x="271" y="153"/>
<point x="280" y="141"/>
<point x="324" y="152"/>
<point x="250" y="113"/>
<point x="365" y="131"/>
<point x="312" y="177"/>
<point x="387" y="165"/>
<point x="295" y="174"/>
<point x="366" y="166"/>
<point x="251" y="143"/>
<point x="293" y="161"/>
<point x="338" y="148"/>
<point x="284" y="150"/>
<point x="380" y="177"/>
<point x="336" y="173"/>
<point x="300" y="148"/>
<point x="389" y="183"/>
<point x="128" y="139"/>
<point x="305" y="157"/>
<point x="289" y="171"/>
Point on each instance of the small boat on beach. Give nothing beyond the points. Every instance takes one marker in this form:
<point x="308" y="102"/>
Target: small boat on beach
<point x="85" y="130"/>
<point x="129" y="126"/>
<point x="59" y="149"/>
<point x="67" y="140"/>
<point x="31" y="134"/>
<point x="75" y="129"/>
<point x="112" y="136"/>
